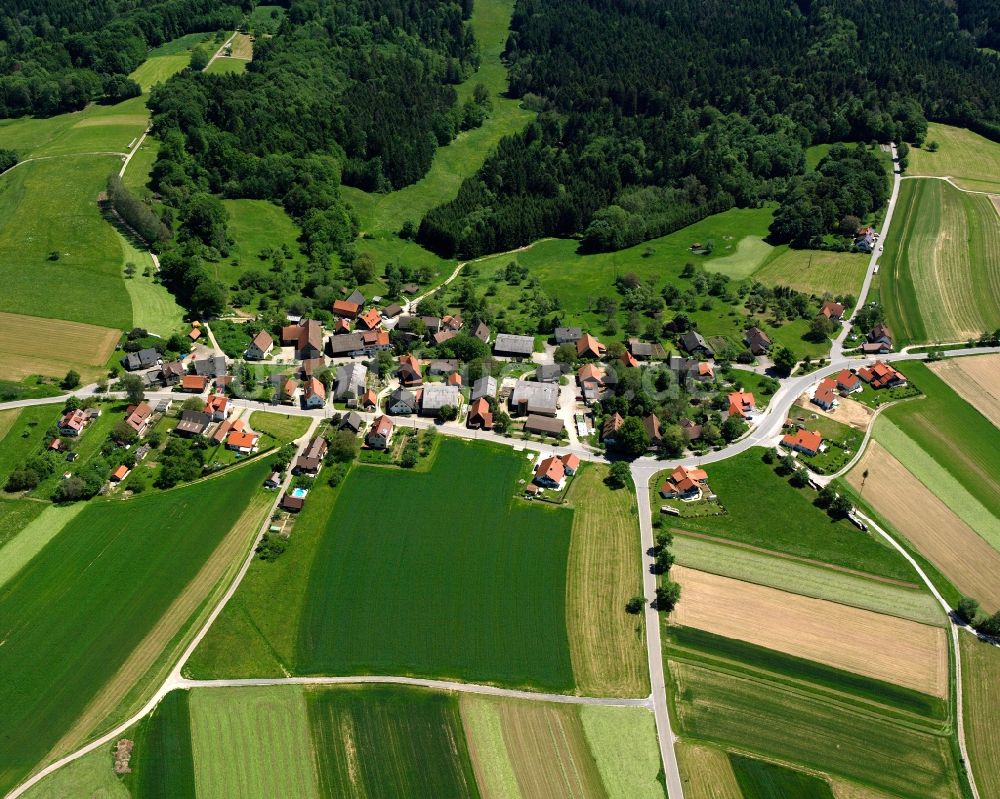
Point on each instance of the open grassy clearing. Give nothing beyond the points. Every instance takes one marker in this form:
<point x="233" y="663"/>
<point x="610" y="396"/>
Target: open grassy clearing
<point x="252" y="742"/>
<point x="7" y="419"/>
<point x="940" y="276"/>
<point x="283" y="427"/>
<point x="751" y="253"/>
<point x="971" y="160"/>
<point x="706" y="772"/>
<point x="484" y="737"/>
<point x="775" y="720"/>
<point x="162" y="760"/>
<point x="814" y="271"/>
<point x="462" y="157"/>
<point x="68" y="631"/>
<point x="774" y="515"/>
<point x="883" y="647"/>
<point x="385" y="250"/>
<point x="623" y="742"/>
<point x="224" y="65"/>
<point x="976" y="380"/>
<point x="158" y="69"/>
<point x="33" y="536"/>
<point x="67" y="345"/>
<point x="153" y="307"/>
<point x="25" y="435"/>
<point x="15" y="515"/>
<point x="954" y="548"/>
<point x="255" y="225"/>
<point x="390" y="742"/>
<point x="91" y="776"/>
<point x="759" y="779"/>
<point x="137" y="172"/>
<point x="980" y="677"/>
<point x="812" y="580"/>
<point x="467" y="584"/>
<point x="36" y="221"/>
<point x="242" y="45"/>
<point x="607" y="645"/>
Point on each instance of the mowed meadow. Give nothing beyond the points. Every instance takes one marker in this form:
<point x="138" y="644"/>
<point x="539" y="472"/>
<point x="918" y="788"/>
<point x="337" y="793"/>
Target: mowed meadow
<point x="105" y="597"/>
<point x="970" y="160"/>
<point x="940" y="273"/>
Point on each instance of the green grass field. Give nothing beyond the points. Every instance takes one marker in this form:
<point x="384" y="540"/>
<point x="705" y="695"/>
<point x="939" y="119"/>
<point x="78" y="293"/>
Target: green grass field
<point x="282" y="427"/>
<point x="92" y="776"/>
<point x="390" y="742"/>
<point x="224" y="65"/>
<point x="777" y="517"/>
<point x="971" y="160"/>
<point x="807" y="579"/>
<point x="623" y="742"/>
<point x="24" y="435"/>
<point x="467" y="583"/>
<point x="940" y="276"/>
<point x="153" y="307"/>
<point x="252" y="742"/>
<point x="163" y="761"/>
<point x="980" y="677"/>
<point x="136" y="175"/>
<point x="842" y="442"/>
<point x="761" y="780"/>
<point x="158" y="69"/>
<point x="185" y="44"/>
<point x="15" y="515"/>
<point x="33" y="536"/>
<point x="67" y="630"/>
<point x="814" y="271"/>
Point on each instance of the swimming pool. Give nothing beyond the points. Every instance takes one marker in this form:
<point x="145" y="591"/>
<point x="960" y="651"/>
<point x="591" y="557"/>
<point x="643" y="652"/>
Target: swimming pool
<point x="300" y="493"/>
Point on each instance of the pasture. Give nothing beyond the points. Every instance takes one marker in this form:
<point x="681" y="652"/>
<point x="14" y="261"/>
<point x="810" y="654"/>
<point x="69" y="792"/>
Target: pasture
<point x="780" y="518"/>
<point x="389" y="742"/>
<point x="69" y="631"/>
<point x="153" y="307"/>
<point x="953" y="547"/>
<point x="759" y="779"/>
<point x="162" y="760"/>
<point x="104" y="128"/>
<point x="252" y="742"/>
<point x="882" y="647"/>
<point x="706" y="772"/>
<point x="31" y="538"/>
<point x="225" y="65"/>
<point x="282" y="427"/>
<point x="980" y="677"/>
<point x="791" y="723"/>
<point x="85" y="284"/>
<point x="940" y="275"/>
<point x="136" y="175"/>
<point x="807" y="578"/>
<point x="971" y="160"/>
<point x="814" y="271"/>
<point x="24" y="435"/>
<point x="157" y="69"/>
<point x="623" y="742"/>
<point x="15" y="515"/>
<point x="255" y="225"/>
<point x="976" y="380"/>
<point x="92" y="776"/>
<point x="605" y="569"/>
<point x="467" y="584"/>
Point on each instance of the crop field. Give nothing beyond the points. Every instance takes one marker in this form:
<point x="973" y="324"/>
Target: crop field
<point x="793" y="724"/>
<point x="971" y="160"/>
<point x="91" y="776"/>
<point x="808" y="579"/>
<point x="389" y="742"/>
<point x="283" y="427"/>
<point x="162" y="760"/>
<point x="980" y="677"/>
<point x="68" y="345"/>
<point x="68" y="631"/>
<point x="935" y="531"/>
<point x="484" y="737"/>
<point x="468" y="584"/>
<point x="883" y="647"/>
<point x="33" y="536"/>
<point x="15" y="515"/>
<point x="605" y="570"/>
<point x="976" y="380"/>
<point x="464" y="156"/>
<point x="781" y="518"/>
<point x="814" y="271"/>
<point x="35" y="221"/>
<point x="706" y="772"/>
<point x="24" y="435"/>
<point x="759" y="779"/>
<point x="940" y="276"/>
<point x="252" y="742"/>
<point x="624" y="744"/>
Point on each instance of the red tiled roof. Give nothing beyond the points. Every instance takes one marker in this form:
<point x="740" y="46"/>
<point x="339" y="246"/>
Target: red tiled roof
<point x="120" y="473"/>
<point x="480" y="409"/>
<point x="803" y="439"/>
<point x="629" y="360"/>
<point x="241" y="440"/>
<point x="741" y="403"/>
<point x="345" y="308"/>
<point x="591" y="372"/>
<point x="194" y="382"/>
<point x="552" y="469"/>
<point x="589" y="344"/>
<point x="570" y="461"/>
<point x="382" y="426"/>
<point x="847" y="380"/>
<point x="370" y="318"/>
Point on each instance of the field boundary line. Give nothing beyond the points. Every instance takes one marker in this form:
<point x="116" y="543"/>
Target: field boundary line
<point x="948" y="179"/>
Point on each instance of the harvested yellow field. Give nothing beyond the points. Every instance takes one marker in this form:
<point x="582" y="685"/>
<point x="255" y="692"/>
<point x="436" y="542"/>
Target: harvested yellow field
<point x="850" y="412"/>
<point x="30" y="345"/>
<point x="884" y="647"/>
<point x="954" y="548"/>
<point x="980" y="677"/>
<point x="606" y="644"/>
<point x="706" y="772"/>
<point x="976" y="380"/>
<point x="242" y="47"/>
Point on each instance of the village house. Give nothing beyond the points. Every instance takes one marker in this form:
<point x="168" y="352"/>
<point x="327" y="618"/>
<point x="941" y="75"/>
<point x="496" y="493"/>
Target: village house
<point x="442" y="366"/>
<point x="453" y="322"/>
<point x="646" y="350"/>
<point x="833" y="311"/>
<point x="534" y="398"/>
<point x="380" y="435"/>
<point x="436" y="396"/>
<point x="567" y="335"/>
<point x="349" y="383"/>
<point x="693" y="343"/>
<point x="392" y="310"/>
<point x="287" y="390"/>
<point x="549" y="373"/>
<point x="311" y="366"/>
<point x="218" y="407"/>
<point x="757" y="341"/>
<point x="864" y="239"/>
<point x="370" y="319"/>
<point x="351" y="345"/>
<point x="292" y="504"/>
<point x="454" y="379"/>
<point x="704" y="372"/>
<point x="242" y="441"/>
<point x="543" y="425"/>
<point x="73" y="422"/>
<point x="628" y="360"/>
<point x="120" y="473"/>
<point x="143" y="359"/>
<point x="480" y="415"/>
<point x="550" y="473"/>
<point x="882" y="375"/>
<point x="511" y="346"/>
<point x="742" y="404"/>
<point x="138" y="418"/>
<point x="805" y="441"/>
<point x="356" y="297"/>
<point x="591" y="380"/>
<point x="409" y="370"/>
<point x="194" y="334"/>
<point x="402" y="402"/>
<point x="879" y="339"/>
<point x="485" y="386"/>
<point x="260" y="347"/>
<point x="652" y="425"/>
<point x="442" y="336"/>
<point x="825" y="395"/>
<point x="273" y="480"/>
<point x="192" y="423"/>
<point x="684" y="483"/>
<point x="691" y="430"/>
<point x="311" y="461"/>
<point x="848" y="382"/>
<point x="345" y="309"/>
<point x="482" y="332"/>
<point x="172" y="373"/>
<point x="212" y="366"/>
<point x="222" y="430"/>
<point x="368" y="400"/>
<point x="352" y="421"/>
<point x="306" y="337"/>
<point x="313" y="394"/>
<point x="341" y="326"/>
<point x="589" y="347"/>
<point x="609" y="431"/>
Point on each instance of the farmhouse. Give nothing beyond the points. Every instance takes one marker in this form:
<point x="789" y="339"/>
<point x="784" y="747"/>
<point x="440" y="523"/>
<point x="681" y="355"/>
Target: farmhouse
<point x="480" y="416"/>
<point x="864" y="239"/>
<point x="512" y="346"/>
<point x="591" y="379"/>
<point x="612" y="425"/>
<point x="436" y="396"/>
<point x="212" y="366"/>
<point x="392" y="310"/>
<point x="194" y="384"/>
<point x="825" y="395"/>
<point x="567" y="335"/>
<point x="757" y="341"/>
<point x="684" y="483"/>
<point x="882" y="375"/>
<point x="260" y="347"/>
<point x="350" y="381"/>
<point x="848" y="382"/>
<point x="351" y="345"/>
<point x="742" y="404"/>
<point x="548" y="373"/>
<point x="306" y="337"/>
<point x="73" y="422"/>
<point x="805" y="441"/>
<point x="313" y="394"/>
<point x="345" y="309"/>
<point x="370" y="319"/>
<point x="543" y="425"/>
<point x="485" y="386"/>
<point x="693" y="343"/>
<point x="589" y="347"/>
<point x="409" y="370"/>
<point x="138" y="418"/>
<point x="192" y="423"/>
<point x="218" y="407"/>
<point x="356" y="297"/>
<point x="534" y="398"/>
<point x="380" y="434"/>
<point x="550" y="473"/>
<point x="645" y="350"/>
<point x="652" y="425"/>
<point x="311" y="461"/>
<point x="442" y="366"/>
<point x="402" y="402"/>
<point x="242" y="441"/>
<point x="442" y="336"/>
<point x="292" y="504"/>
<point x="833" y="311"/>
<point x="142" y="359"/>
<point x="879" y="339"/>
<point x="482" y="332"/>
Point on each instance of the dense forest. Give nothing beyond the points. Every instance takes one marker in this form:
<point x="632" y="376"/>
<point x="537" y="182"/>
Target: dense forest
<point x="58" y="55"/>
<point x="657" y="113"/>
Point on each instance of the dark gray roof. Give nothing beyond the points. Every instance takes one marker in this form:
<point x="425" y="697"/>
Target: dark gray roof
<point x="548" y="373"/>
<point x="402" y="395"/>
<point x="212" y="366"/>
<point x="357" y="297"/>
<point x="437" y="395"/>
<point x="193" y="422"/>
<point x="567" y="334"/>
<point x="482" y="332"/>
<point x="485" y="386"/>
<point x="340" y="346"/>
<point x="510" y="344"/>
<point x="543" y="424"/>
<point x="693" y="340"/>
<point x="442" y="366"/>
<point x="352" y="420"/>
<point x="536" y="397"/>
<point x="141" y="359"/>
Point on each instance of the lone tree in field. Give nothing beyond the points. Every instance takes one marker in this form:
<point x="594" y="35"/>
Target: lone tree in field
<point x="785" y="360"/>
<point x="840" y="507"/>
<point x="635" y="605"/>
<point x="71" y="381"/>
<point x="619" y="476"/>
